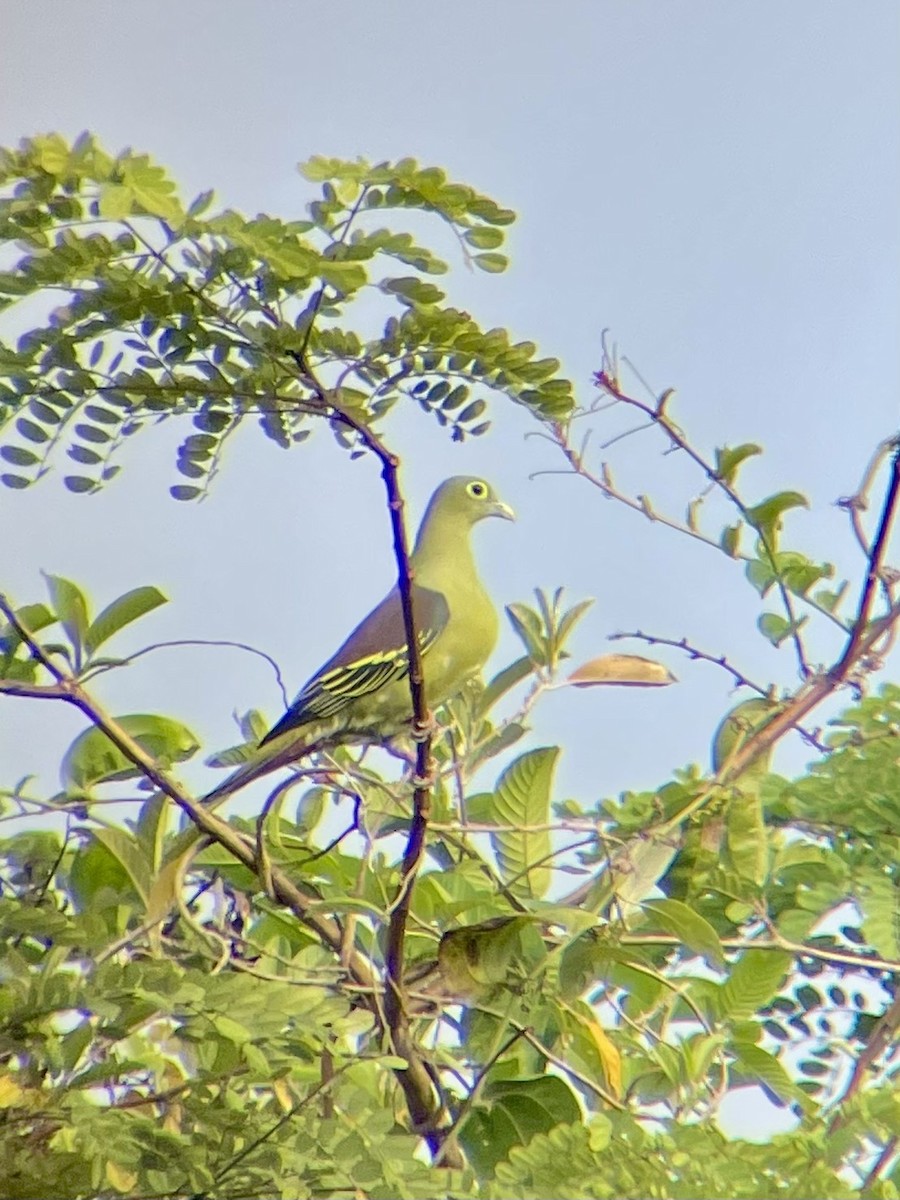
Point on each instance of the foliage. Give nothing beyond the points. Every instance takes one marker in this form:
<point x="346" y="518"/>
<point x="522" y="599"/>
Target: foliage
<point x="168" y="310"/>
<point x="583" y="980"/>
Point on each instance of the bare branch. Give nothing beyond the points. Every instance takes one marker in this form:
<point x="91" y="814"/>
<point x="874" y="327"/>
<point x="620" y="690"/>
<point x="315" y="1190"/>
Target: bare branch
<point x="739" y="678"/>
<point x="656" y="413"/>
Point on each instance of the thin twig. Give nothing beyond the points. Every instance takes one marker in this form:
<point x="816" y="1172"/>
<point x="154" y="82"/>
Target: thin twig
<point x="656" y="413"/>
<point x="721" y="661"/>
<point x="130" y="658"/>
<point x="450" y="1139"/>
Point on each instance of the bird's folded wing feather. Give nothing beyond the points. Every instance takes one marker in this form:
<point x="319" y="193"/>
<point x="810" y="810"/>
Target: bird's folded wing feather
<point x="375" y="654"/>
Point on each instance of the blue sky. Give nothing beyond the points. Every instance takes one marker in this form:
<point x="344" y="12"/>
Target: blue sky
<point x="714" y="183"/>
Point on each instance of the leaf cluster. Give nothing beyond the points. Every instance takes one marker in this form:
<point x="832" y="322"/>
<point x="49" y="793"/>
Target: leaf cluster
<point x="154" y="310"/>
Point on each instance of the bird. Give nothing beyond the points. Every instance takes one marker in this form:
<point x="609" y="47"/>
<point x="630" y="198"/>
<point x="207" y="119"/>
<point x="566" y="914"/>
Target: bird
<point x="362" y="693"/>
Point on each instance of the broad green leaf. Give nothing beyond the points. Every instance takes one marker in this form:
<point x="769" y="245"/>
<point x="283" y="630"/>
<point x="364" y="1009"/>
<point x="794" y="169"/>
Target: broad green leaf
<point x="737" y="728"/>
<point x="71" y="607"/>
<point x="484" y="237"/>
<point x="94" y="868"/>
<point x="511" y="1113"/>
<point x="830" y="600"/>
<point x="127" y="851"/>
<point x="34" y="617"/>
<point x="527" y="624"/>
<point x="151" y="829"/>
<point x="766" y="516"/>
<point x="504" y="681"/>
<point x="748" y="838"/>
<point x="93" y="758"/>
<point x="774" y="627"/>
<point x="729" y="458"/>
<point x="492" y="263"/>
<point x="755" y="979"/>
<point x="52" y="153"/>
<point x="634" y="871"/>
<point x="522" y="799"/>
<point x="878" y="898"/>
<point x="695" y="931"/>
<point x="116" y="201"/>
<point x="122" y="612"/>
<point x="760" y="1064"/>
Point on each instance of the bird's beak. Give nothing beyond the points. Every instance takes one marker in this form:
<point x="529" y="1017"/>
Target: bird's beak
<point x="499" y="509"/>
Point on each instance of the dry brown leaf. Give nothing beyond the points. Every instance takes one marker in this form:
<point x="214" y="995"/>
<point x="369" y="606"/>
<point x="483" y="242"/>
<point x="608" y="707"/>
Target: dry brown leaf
<point x="623" y="670"/>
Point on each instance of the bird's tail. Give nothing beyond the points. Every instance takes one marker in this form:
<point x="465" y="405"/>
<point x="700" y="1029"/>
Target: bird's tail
<point x="269" y="760"/>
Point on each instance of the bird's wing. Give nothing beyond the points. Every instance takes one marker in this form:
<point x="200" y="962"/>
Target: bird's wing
<point x="374" y="655"/>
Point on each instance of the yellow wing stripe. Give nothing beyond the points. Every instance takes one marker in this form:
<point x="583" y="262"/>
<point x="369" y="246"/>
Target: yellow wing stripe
<point x="327" y="694"/>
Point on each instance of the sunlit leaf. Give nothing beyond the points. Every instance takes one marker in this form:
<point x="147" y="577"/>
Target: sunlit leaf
<point x="627" y="670"/>
<point x="93" y="758"/>
<point x="122" y="612"/>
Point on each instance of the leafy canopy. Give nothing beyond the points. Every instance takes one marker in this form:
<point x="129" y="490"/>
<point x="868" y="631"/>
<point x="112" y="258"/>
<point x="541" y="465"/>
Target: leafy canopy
<point x="583" y="979"/>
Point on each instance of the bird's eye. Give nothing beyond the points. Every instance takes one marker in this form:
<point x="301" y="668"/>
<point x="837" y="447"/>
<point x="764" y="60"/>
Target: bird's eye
<point x="478" y="490"/>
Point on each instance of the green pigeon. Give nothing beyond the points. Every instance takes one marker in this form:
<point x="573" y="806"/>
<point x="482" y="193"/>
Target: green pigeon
<point x="362" y="693"/>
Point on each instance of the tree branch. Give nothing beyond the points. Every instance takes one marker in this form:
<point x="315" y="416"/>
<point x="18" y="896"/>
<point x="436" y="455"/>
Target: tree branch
<point x="285" y="891"/>
<point x="874" y="569"/>
<point x="739" y="678"/>
<point x="657" y="415"/>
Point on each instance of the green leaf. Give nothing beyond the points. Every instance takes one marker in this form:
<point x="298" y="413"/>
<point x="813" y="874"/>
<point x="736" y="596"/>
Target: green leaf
<point x="774" y="627"/>
<point x="748" y="838"/>
<point x="94" y="869"/>
<point x="484" y="237"/>
<point x="33" y="617"/>
<point x="71" y="607"/>
<point x="522" y="798"/>
<point x="736" y="729"/>
<point x="766" y="516"/>
<point x="755" y="979"/>
<point x="122" y="612"/>
<point x="877" y="894"/>
<point x="511" y="1113"/>
<point x="31" y="431"/>
<point x="201" y="203"/>
<point x="182" y="491"/>
<point x="19" y="456"/>
<point x="93" y="758"/>
<point x="527" y="624"/>
<point x="116" y="201"/>
<point x="830" y="600"/>
<point x="80" y="483"/>
<point x="127" y="851"/>
<point x="150" y="187"/>
<point x="695" y="931"/>
<point x="760" y="1064"/>
<point x="729" y="458"/>
<point x="503" y="682"/>
<point x="494" y="264"/>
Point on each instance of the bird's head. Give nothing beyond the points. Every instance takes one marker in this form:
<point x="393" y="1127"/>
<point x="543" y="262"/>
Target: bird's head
<point x="466" y="499"/>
